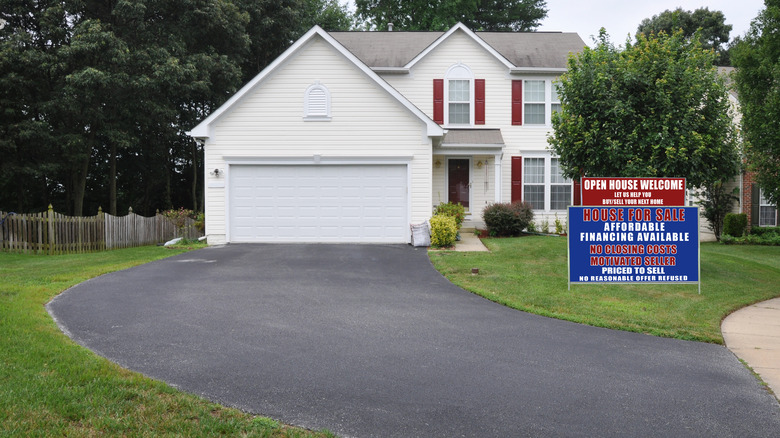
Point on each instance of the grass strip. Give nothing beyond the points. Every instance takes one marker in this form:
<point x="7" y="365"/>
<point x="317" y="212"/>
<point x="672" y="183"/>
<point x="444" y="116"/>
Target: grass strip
<point x="50" y="386"/>
<point x="530" y="274"/>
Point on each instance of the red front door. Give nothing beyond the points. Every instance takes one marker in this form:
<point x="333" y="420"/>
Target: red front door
<point x="458" y="181"/>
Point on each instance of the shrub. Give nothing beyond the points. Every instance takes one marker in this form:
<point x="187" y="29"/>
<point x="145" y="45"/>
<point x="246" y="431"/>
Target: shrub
<point x="760" y="231"/>
<point x="180" y="218"/>
<point x="544" y="226"/>
<point x="503" y="219"/>
<point x="734" y="224"/>
<point x="200" y="222"/>
<point x="457" y="211"/>
<point x="728" y="239"/>
<point x="443" y="231"/>
<point x="770" y="238"/>
<point x="558" y="225"/>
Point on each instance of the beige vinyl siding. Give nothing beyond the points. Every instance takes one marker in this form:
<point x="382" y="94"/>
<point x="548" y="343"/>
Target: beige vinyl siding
<point x="481" y="194"/>
<point x="482" y="188"/>
<point x="418" y="87"/>
<point x="366" y="122"/>
<point x="439" y="188"/>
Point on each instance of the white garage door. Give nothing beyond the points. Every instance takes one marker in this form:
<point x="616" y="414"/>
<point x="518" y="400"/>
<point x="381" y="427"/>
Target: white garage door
<point x="318" y="203"/>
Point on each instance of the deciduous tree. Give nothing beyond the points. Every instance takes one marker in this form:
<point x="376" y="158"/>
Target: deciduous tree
<point x="656" y="108"/>
<point x="422" y="15"/>
<point x="713" y="32"/>
<point x="757" y="61"/>
<point x="96" y="96"/>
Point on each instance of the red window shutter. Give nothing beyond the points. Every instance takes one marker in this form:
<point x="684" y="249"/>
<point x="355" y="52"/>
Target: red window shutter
<point x="517" y="179"/>
<point x="438" y="101"/>
<point x="479" y="101"/>
<point x="517" y="102"/>
<point x="577" y="194"/>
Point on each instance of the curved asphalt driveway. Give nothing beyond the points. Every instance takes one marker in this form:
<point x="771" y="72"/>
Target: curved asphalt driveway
<point x="371" y="341"/>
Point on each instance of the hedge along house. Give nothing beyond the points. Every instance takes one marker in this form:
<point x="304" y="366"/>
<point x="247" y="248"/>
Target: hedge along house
<point x="353" y="136"/>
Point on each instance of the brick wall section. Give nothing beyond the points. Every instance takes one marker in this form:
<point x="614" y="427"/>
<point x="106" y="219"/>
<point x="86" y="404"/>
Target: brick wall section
<point x="747" y="196"/>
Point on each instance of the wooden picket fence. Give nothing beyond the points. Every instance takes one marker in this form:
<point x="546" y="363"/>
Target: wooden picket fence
<point x="55" y="233"/>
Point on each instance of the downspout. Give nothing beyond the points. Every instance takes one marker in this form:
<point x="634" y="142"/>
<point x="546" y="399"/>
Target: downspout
<point x="497" y="176"/>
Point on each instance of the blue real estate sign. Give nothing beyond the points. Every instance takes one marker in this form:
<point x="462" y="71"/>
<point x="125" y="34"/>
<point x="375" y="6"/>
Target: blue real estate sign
<point x="633" y="245"/>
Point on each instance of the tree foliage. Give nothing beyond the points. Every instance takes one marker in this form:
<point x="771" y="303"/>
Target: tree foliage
<point x="425" y="15"/>
<point x="716" y="202"/>
<point x="708" y="26"/>
<point x="757" y="78"/>
<point x="96" y="96"/>
<point x="657" y="108"/>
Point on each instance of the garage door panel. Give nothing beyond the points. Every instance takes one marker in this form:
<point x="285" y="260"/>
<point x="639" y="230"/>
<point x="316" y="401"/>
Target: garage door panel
<point x="318" y="203"/>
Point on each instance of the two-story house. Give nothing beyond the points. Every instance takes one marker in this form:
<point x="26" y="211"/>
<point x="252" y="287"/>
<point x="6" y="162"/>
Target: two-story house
<point x="353" y="136"/>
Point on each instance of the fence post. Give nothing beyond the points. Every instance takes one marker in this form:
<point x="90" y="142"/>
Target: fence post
<point x="130" y="228"/>
<point x="50" y="220"/>
<point x="100" y="230"/>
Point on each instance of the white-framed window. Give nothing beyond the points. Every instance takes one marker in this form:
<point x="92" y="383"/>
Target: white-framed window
<point x="316" y="103"/>
<point x="533" y="182"/>
<point x="459" y="95"/>
<point x="544" y="186"/>
<point x="560" y="187"/>
<point x="534" y="97"/>
<point x="540" y="100"/>
<point x="555" y="100"/>
<point x="767" y="213"/>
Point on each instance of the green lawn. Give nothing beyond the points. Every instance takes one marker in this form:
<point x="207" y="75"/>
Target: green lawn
<point x="529" y="273"/>
<point x="49" y="386"/>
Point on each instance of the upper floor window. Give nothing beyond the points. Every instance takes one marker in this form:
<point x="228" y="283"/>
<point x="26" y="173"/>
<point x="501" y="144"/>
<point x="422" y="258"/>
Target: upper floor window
<point x="316" y="103"/>
<point x="459" y="84"/>
<point x="540" y="100"/>
<point x="555" y="101"/>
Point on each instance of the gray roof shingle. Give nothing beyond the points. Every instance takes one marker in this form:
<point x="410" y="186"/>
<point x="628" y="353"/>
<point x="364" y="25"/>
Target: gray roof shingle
<point x="522" y="49"/>
<point x="535" y="49"/>
<point x="473" y="137"/>
<point x="386" y="49"/>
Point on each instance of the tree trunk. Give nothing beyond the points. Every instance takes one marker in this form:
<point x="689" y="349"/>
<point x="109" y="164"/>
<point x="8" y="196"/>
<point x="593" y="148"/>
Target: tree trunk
<point x="168" y="201"/>
<point x="112" y="182"/>
<point x="80" y="170"/>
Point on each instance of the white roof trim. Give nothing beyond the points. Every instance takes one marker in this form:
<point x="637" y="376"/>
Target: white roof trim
<point x="473" y="145"/>
<point x="520" y="70"/>
<point x="391" y="70"/>
<point x="468" y="151"/>
<point x="204" y="128"/>
<point x="477" y="39"/>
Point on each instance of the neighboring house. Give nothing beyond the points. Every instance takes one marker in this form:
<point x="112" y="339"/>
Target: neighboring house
<point x="759" y="212"/>
<point x="353" y="136"/>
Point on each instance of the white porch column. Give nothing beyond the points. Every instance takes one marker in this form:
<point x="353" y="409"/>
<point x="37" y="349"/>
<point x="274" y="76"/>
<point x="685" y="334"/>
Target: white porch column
<point x="497" y="182"/>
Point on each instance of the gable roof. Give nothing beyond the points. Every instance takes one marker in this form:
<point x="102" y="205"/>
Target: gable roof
<point x="535" y="49"/>
<point x="517" y="50"/>
<point x="386" y="49"/>
<point x="203" y="130"/>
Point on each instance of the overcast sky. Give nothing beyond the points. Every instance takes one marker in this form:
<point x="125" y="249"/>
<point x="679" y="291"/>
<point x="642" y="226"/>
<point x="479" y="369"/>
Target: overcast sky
<point x="622" y="17"/>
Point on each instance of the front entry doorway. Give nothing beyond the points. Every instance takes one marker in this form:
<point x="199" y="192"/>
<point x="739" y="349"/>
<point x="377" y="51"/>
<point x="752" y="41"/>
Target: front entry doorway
<point x="459" y="181"/>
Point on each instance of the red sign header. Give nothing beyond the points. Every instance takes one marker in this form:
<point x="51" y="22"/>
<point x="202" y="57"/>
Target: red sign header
<point x="633" y="191"/>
